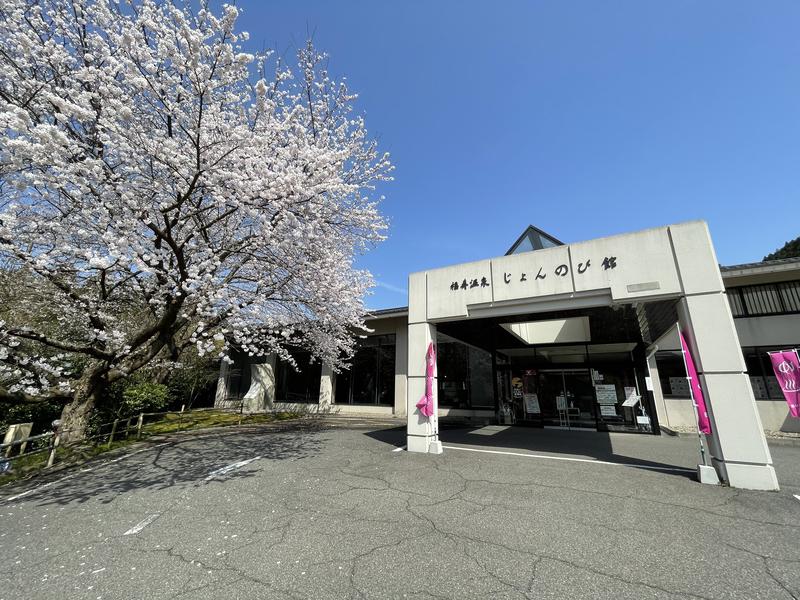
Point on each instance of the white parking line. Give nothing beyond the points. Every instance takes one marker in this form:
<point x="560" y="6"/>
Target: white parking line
<point x="796" y="496"/>
<point x="572" y="459"/>
<point x="230" y="468"/>
<point x="141" y="525"/>
<point x="400" y="449"/>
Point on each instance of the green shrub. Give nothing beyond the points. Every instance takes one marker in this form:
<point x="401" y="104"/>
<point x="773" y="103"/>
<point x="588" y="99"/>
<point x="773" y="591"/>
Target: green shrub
<point x="193" y="382"/>
<point x="142" y="397"/>
<point x="41" y="414"/>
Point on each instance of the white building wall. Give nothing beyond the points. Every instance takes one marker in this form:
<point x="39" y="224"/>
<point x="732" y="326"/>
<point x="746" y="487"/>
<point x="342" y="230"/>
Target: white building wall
<point x="775" y="330"/>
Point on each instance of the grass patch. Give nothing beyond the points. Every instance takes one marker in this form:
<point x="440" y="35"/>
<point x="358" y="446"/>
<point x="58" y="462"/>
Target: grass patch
<point x="28" y="464"/>
<point x="208" y="418"/>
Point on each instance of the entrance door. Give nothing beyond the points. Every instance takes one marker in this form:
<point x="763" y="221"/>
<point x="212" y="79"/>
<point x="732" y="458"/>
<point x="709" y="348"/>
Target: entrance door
<point x="567" y="399"/>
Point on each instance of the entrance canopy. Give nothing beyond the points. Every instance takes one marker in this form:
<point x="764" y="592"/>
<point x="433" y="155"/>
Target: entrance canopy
<point x="572" y="369"/>
<point x="675" y="263"/>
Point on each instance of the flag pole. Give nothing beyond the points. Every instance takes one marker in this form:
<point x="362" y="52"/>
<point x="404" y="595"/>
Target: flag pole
<point x="796" y="392"/>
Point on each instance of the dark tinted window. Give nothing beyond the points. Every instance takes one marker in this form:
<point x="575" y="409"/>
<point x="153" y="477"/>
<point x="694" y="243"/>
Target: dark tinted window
<point x="765" y="299"/>
<point x="464" y="375"/>
<point x="300" y="385"/>
<point x="370" y="378"/>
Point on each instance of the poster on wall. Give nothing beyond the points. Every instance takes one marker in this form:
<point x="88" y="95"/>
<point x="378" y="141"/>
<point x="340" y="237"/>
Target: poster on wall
<point x="532" y="404"/>
<point x="606" y="393"/>
<point x="608" y="410"/>
<point x="516" y="387"/>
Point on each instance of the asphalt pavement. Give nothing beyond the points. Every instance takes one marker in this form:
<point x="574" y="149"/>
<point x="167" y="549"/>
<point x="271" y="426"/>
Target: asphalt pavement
<point x="335" y="510"/>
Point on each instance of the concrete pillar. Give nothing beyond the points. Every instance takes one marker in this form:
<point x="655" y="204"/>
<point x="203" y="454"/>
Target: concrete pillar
<point x="422" y="432"/>
<point x="261" y="394"/>
<point x="326" y="382"/>
<point x="737" y="445"/>
<point x="222" y="385"/>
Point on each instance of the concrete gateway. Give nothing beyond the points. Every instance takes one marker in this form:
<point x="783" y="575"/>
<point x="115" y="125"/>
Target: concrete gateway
<point x="578" y="336"/>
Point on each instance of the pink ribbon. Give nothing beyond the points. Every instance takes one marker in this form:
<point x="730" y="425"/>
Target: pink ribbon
<point x="426" y="405"/>
<point x="703" y="421"/>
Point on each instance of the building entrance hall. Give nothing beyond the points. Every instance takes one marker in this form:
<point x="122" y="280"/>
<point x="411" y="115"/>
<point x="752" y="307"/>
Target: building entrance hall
<point x="564" y="396"/>
<point x="572" y="370"/>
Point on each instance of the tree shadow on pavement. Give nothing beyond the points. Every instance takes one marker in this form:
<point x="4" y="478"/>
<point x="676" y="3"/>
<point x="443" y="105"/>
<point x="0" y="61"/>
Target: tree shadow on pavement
<point x="593" y="446"/>
<point x="189" y="459"/>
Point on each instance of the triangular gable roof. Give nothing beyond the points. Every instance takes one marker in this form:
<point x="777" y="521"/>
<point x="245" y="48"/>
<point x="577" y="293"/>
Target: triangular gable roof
<point x="532" y="239"/>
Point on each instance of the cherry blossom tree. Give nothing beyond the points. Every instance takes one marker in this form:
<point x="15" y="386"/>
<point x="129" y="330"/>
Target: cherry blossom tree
<point x="160" y="188"/>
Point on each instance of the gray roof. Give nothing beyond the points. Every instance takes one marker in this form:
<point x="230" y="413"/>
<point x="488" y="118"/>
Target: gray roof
<point x="399" y="311"/>
<point x="761" y="264"/>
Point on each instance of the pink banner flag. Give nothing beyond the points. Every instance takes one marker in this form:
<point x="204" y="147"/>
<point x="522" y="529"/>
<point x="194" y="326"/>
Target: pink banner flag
<point x="787" y="370"/>
<point x="426" y="404"/>
<point x="703" y="422"/>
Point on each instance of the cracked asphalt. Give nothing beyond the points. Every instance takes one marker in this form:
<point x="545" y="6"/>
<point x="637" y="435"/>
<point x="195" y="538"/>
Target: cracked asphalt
<point x="329" y="510"/>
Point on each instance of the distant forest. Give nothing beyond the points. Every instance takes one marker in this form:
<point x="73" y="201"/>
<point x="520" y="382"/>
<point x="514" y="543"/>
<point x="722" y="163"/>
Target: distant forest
<point x="788" y="250"/>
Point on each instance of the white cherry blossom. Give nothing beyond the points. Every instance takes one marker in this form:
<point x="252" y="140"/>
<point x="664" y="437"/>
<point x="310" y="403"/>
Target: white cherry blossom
<point x="150" y="167"/>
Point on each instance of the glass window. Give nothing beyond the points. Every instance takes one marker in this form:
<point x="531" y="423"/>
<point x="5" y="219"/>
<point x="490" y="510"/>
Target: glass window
<point x="453" y="372"/>
<point x="761" y="299"/>
<point x="755" y="369"/>
<point x="370" y="378"/>
<point x="464" y="375"/>
<point x="790" y="294"/>
<point x="386" y="367"/>
<point x="765" y="299"/>
<point x="525" y="245"/>
<point x="547" y="242"/>
<point x="614" y="416"/>
<point x="364" y="376"/>
<point x="480" y="378"/>
<point x="342" y="388"/>
<point x="672" y="374"/>
<point x="735" y="300"/>
<point x="238" y="380"/>
<point x="298" y="385"/>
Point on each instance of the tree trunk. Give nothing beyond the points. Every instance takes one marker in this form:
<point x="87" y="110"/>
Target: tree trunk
<point x="75" y="415"/>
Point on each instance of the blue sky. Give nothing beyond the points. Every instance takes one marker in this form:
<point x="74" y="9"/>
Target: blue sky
<point x="583" y="118"/>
